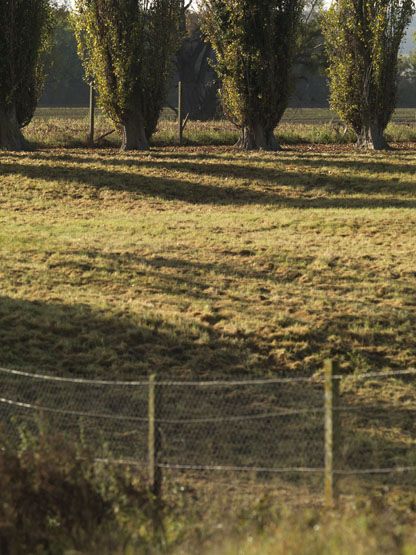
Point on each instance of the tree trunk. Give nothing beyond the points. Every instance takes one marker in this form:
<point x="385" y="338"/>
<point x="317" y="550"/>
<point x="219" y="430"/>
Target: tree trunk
<point x="372" y="137"/>
<point x="134" y="135"/>
<point x="11" y="137"/>
<point x="257" y="137"/>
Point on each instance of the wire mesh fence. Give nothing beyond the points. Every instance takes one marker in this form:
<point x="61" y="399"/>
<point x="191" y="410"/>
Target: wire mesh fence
<point x="265" y="428"/>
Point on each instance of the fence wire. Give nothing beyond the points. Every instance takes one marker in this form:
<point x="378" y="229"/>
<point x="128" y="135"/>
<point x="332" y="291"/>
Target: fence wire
<point x="270" y="426"/>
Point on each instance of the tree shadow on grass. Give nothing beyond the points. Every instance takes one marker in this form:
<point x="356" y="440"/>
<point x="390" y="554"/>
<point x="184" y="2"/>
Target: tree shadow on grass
<point x="80" y="341"/>
<point x="270" y="425"/>
<point x="250" y="163"/>
<point x="249" y="167"/>
<point x="362" y="163"/>
<point x="175" y="275"/>
<point x="364" y="336"/>
<point x="76" y="341"/>
<point x="311" y="190"/>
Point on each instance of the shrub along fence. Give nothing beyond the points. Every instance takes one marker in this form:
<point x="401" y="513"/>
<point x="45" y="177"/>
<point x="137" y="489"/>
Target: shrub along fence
<point x="327" y="432"/>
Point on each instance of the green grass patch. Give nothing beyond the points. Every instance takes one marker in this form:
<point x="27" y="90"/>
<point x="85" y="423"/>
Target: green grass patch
<point x="207" y="262"/>
<point x="68" y="127"/>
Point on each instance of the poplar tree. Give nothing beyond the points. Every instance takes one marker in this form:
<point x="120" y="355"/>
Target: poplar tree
<point x="362" y="41"/>
<point x="254" y="43"/>
<point x="127" y="48"/>
<point x="25" y="31"/>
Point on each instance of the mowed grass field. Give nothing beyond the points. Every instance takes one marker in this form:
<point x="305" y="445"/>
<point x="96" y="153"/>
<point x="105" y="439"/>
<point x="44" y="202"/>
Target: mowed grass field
<point x="68" y="127"/>
<point x="207" y="262"/>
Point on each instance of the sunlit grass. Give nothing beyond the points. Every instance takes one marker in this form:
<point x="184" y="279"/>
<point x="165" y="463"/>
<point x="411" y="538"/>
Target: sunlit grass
<point x="68" y="127"/>
<point x="209" y="262"/>
<point x="225" y="262"/>
<point x="309" y="534"/>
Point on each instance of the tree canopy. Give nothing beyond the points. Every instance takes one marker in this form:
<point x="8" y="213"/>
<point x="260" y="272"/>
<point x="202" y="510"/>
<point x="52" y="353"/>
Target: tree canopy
<point x="25" y="32"/>
<point x="127" y="49"/>
<point x="363" y="39"/>
<point x="254" y="43"/>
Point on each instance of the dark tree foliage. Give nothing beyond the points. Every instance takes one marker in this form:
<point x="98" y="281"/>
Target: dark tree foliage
<point x="25" y="29"/>
<point x="194" y="68"/>
<point x="363" y="39"/>
<point x="310" y="62"/>
<point x="254" y="43"/>
<point x="65" y="84"/>
<point x="127" y="47"/>
<point x="407" y="80"/>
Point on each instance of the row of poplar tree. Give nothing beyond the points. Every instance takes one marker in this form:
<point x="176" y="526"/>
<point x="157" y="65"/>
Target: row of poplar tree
<point x="127" y="50"/>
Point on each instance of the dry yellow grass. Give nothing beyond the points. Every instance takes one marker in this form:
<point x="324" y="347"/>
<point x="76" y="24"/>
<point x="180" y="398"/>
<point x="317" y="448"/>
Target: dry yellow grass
<point x="207" y="262"/>
<point x="202" y="262"/>
<point x="68" y="127"/>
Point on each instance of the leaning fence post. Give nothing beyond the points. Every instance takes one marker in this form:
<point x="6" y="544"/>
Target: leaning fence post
<point x="154" y="470"/>
<point x="331" y="430"/>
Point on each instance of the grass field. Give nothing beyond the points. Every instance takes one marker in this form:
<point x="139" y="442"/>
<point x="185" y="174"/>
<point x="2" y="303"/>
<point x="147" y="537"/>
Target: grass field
<point x="68" y="127"/>
<point x="292" y="115"/>
<point x="312" y="534"/>
<point x="207" y="261"/>
<point x="203" y="262"/>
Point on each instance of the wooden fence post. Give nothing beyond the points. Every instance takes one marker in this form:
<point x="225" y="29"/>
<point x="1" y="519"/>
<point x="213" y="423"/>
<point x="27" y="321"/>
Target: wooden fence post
<point x="155" y="473"/>
<point x="331" y="431"/>
<point x="92" y="116"/>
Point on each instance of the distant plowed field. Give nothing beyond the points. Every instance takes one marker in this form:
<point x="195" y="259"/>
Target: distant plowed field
<point x="292" y="115"/>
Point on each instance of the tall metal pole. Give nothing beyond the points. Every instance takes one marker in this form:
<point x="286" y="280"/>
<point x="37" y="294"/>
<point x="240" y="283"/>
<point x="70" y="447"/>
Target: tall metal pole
<point x="92" y="115"/>
<point x="180" y="115"/>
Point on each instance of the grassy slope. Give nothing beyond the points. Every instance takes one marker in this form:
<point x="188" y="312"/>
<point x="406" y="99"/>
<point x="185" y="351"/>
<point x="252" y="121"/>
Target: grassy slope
<point x="203" y="262"/>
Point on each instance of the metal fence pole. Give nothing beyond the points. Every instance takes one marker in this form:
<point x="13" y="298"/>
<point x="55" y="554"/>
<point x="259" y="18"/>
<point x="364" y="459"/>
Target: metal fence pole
<point x="180" y="114"/>
<point x="331" y="431"/>
<point x="155" y="473"/>
<point x="92" y="115"/>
